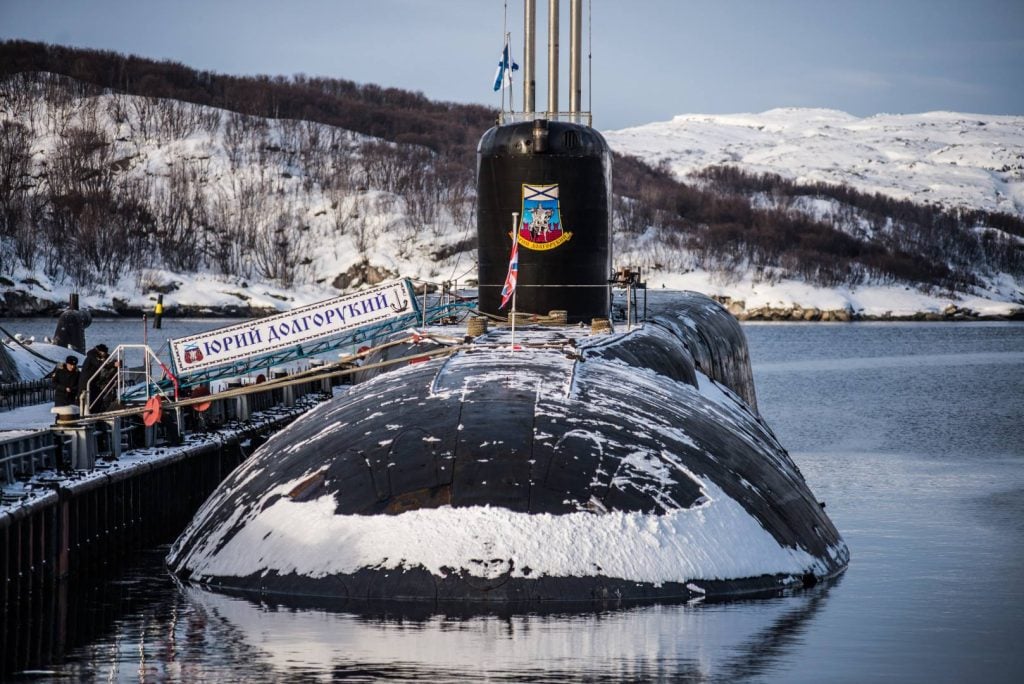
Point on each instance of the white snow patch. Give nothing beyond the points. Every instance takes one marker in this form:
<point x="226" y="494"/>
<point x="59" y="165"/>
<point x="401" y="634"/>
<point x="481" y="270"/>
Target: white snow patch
<point x="953" y="159"/>
<point x="717" y="540"/>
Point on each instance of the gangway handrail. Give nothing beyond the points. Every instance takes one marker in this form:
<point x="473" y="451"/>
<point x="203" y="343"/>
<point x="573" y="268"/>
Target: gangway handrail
<point x="125" y="389"/>
<point x="368" y="333"/>
<point x="340" y="368"/>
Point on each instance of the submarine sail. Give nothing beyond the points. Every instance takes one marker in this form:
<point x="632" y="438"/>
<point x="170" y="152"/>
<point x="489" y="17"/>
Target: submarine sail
<point x="585" y="465"/>
<point x="556" y="177"/>
<point x="544" y="180"/>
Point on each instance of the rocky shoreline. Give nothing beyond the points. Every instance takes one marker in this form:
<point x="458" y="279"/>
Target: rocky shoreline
<point x="19" y="304"/>
<point x="797" y="313"/>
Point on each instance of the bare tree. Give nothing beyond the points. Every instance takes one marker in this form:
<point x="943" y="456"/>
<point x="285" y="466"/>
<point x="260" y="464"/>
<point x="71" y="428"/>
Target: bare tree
<point x="280" y="249"/>
<point x="235" y="128"/>
<point x="180" y="214"/>
<point x="236" y="218"/>
<point x="173" y="120"/>
<point x="117" y="108"/>
<point x="207" y="118"/>
<point x="14" y="165"/>
<point x="144" y="110"/>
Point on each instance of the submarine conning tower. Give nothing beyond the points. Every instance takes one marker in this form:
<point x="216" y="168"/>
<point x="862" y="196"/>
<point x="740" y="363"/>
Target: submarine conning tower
<point x="544" y="180"/>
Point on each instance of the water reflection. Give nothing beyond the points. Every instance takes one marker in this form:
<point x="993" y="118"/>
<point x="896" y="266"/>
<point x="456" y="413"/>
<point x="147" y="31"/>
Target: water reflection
<point x="146" y="626"/>
<point x="40" y="623"/>
<point x="696" y="642"/>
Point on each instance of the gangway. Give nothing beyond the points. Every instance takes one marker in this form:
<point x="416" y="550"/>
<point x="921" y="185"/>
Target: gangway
<point x="171" y="381"/>
<point x="116" y="377"/>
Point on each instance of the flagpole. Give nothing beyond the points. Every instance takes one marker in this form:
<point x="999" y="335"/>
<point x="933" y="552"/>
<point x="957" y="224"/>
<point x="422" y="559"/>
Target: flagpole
<point x="511" y="89"/>
<point x="515" y="239"/>
<point x="504" y="31"/>
<point x="513" y="349"/>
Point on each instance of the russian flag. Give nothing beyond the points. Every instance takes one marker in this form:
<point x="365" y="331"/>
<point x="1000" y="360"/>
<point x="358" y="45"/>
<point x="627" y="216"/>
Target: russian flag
<point x="513" y="274"/>
<point x="503" y="76"/>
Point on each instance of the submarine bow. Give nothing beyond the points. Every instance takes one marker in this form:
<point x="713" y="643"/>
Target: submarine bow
<point x="569" y="470"/>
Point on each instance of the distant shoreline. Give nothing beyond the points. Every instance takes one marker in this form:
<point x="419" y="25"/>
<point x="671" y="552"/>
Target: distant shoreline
<point x="795" y="314"/>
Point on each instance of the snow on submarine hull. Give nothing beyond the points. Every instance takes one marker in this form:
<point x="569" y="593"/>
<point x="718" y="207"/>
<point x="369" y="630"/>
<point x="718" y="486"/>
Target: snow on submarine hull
<point x="630" y="465"/>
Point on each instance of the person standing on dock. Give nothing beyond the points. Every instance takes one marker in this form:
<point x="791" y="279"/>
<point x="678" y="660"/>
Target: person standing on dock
<point x="91" y="387"/>
<point x="65" y="383"/>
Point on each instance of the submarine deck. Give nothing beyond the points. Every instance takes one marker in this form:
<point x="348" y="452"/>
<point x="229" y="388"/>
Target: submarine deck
<point x="565" y="469"/>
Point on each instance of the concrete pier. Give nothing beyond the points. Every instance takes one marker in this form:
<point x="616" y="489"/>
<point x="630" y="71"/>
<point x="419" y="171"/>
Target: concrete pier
<point x="72" y="513"/>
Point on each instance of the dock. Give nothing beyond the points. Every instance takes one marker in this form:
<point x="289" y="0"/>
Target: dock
<point x="78" y="496"/>
<point x="93" y="487"/>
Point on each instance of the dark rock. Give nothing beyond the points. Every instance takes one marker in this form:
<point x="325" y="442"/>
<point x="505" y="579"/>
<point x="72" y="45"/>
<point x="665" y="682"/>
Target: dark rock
<point x="16" y="303"/>
<point x="163" y="288"/>
<point x="362" y="273"/>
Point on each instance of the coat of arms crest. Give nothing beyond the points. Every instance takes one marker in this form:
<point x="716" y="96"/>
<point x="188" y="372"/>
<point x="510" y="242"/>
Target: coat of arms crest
<point x="541" y="227"/>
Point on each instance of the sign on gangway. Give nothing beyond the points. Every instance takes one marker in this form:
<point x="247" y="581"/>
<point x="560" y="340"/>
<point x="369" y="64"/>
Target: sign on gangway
<point x="304" y="324"/>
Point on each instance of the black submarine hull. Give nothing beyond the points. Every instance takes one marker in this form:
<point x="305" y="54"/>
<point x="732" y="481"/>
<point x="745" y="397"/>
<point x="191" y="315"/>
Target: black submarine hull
<point x="629" y="466"/>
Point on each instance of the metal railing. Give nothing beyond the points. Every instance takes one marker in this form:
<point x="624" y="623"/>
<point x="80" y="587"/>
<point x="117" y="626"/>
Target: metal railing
<point x="116" y="377"/>
<point x="76" y="442"/>
<point x="24" y="455"/>
<point x="17" y="394"/>
<point x="370" y="335"/>
<point x="581" y="118"/>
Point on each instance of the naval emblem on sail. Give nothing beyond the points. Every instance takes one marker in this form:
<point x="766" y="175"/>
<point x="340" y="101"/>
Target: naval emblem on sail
<point x="541" y="227"/>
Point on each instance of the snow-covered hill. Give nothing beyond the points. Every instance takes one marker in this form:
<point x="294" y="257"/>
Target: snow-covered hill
<point x="121" y="198"/>
<point x="227" y="212"/>
<point x="956" y="160"/>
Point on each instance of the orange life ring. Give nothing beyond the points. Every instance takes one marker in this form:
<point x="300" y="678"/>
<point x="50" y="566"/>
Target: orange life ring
<point x="154" y="411"/>
<point x="201" y="391"/>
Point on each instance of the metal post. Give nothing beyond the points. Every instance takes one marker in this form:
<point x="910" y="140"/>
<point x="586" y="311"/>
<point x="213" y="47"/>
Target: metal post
<point x="529" y="55"/>
<point x="515" y="238"/>
<point x="575" y="58"/>
<point x="552" y="59"/>
<point x="83" y="446"/>
<point x="242" y="407"/>
<point x="115" y="437"/>
<point x="121" y="369"/>
<point x="513" y="347"/>
<point x="424" y="304"/>
<point x="629" y="309"/>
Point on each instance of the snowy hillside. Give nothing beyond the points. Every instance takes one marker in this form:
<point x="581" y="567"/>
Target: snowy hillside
<point x="123" y="197"/>
<point x="956" y="160"/>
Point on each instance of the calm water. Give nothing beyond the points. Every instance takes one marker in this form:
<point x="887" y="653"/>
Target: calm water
<point x="912" y="433"/>
<point x="115" y="331"/>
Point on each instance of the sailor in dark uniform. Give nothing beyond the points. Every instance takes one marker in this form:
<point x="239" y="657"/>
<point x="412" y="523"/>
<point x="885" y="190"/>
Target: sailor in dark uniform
<point x="65" y="382"/>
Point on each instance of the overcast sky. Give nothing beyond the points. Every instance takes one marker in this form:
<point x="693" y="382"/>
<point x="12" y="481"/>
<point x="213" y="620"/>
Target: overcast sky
<point x="652" y="59"/>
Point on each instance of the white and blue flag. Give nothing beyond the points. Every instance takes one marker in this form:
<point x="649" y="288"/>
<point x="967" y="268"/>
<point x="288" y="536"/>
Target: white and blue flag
<point x="503" y="76"/>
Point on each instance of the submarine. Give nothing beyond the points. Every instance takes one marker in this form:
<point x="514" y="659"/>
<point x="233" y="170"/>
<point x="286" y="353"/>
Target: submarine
<point x="535" y="463"/>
